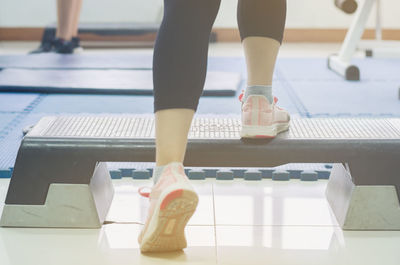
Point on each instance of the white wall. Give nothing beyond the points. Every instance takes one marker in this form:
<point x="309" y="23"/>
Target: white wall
<point x="301" y="13"/>
<point x="316" y="14"/>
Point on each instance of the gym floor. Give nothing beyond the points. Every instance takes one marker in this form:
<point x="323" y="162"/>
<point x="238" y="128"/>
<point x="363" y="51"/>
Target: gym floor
<point x="237" y="222"/>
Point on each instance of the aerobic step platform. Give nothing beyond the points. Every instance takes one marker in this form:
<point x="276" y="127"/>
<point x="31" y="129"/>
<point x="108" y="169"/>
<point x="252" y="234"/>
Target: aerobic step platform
<point x="60" y="178"/>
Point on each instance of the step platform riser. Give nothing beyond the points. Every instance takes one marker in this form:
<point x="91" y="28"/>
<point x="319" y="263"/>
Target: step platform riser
<point x="362" y="207"/>
<point x="67" y="205"/>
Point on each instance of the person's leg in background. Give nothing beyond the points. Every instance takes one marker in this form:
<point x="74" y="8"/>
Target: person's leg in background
<point x="68" y="12"/>
<point x="261" y="25"/>
<point x="65" y="17"/>
<point x="74" y="29"/>
<point x="65" y="39"/>
<point x="179" y="71"/>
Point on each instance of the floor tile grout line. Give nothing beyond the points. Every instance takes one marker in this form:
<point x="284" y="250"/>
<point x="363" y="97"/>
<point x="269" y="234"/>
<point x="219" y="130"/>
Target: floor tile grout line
<point x="252" y="225"/>
<point x="224" y="225"/>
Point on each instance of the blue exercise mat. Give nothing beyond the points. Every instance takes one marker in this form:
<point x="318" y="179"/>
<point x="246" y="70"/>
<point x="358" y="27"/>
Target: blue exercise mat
<point x="5" y="122"/>
<point x="69" y="103"/>
<point x="15" y="102"/>
<point x="365" y="98"/>
<point x="135" y="82"/>
<point x="308" y="69"/>
<point x="292" y="68"/>
<point x="316" y="91"/>
<point x="78" y="61"/>
<point x="74" y="104"/>
<point x="105" y="60"/>
<point x="300" y="89"/>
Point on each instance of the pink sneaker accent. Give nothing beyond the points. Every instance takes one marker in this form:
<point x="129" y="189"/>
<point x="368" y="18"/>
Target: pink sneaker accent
<point x="171" y="196"/>
<point x="261" y="119"/>
<point x="172" y="203"/>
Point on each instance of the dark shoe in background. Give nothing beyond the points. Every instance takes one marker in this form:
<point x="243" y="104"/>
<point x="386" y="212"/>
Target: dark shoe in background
<point x="44" y="47"/>
<point x="63" y="46"/>
<point x="47" y="42"/>
<point x="77" y="42"/>
<point x="59" y="46"/>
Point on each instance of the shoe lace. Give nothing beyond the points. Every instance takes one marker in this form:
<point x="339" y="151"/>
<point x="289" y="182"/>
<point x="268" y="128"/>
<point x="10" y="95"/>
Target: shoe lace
<point x="143" y="193"/>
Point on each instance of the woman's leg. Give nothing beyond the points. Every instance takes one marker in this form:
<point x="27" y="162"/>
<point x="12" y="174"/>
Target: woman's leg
<point x="260" y="53"/>
<point x="172" y="127"/>
<point x="75" y="19"/>
<point x="65" y="15"/>
<point x="179" y="71"/>
<point x="261" y="24"/>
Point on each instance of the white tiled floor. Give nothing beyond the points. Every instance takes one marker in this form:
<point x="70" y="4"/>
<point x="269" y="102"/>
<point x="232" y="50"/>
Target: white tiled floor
<point x="237" y="222"/>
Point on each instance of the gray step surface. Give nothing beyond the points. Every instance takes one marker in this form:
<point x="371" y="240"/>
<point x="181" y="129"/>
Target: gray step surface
<point x="73" y="145"/>
<point x="213" y="127"/>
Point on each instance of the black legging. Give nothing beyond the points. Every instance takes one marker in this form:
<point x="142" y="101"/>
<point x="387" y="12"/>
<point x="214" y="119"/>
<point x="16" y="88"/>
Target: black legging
<point x="181" y="48"/>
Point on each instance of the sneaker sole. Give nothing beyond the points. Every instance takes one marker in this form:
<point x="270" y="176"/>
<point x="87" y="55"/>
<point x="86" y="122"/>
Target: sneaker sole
<point x="166" y="231"/>
<point x="253" y="131"/>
